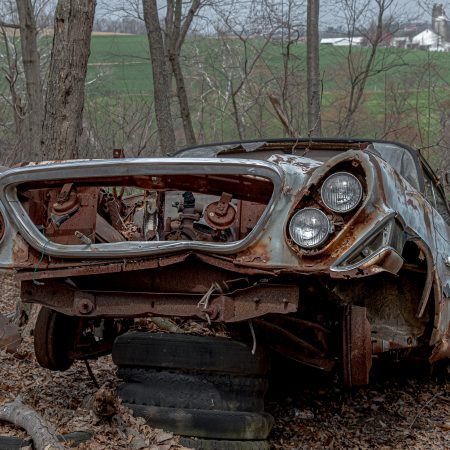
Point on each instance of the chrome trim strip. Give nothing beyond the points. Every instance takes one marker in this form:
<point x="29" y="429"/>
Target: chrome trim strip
<point x="360" y="244"/>
<point x="133" y="167"/>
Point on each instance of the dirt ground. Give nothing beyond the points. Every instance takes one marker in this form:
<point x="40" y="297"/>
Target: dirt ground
<point x="396" y="411"/>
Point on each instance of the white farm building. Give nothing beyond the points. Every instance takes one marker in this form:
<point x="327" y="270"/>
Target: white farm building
<point x="431" y="41"/>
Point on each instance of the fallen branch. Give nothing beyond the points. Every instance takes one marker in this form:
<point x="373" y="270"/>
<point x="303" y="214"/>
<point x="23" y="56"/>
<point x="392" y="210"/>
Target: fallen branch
<point x="431" y="400"/>
<point x="166" y="325"/>
<point x="41" y="432"/>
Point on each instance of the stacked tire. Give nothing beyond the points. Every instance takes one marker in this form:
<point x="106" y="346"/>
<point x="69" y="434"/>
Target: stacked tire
<point x="210" y="390"/>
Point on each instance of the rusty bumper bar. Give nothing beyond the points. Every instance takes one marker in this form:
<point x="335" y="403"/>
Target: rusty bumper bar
<point x="239" y="305"/>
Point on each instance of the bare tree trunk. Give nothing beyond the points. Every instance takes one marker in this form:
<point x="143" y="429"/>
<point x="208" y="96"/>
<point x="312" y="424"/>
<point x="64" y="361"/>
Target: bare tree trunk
<point x="176" y="30"/>
<point x="31" y="66"/>
<point x="237" y="116"/>
<point x="161" y="81"/>
<point x="64" y="105"/>
<point x="183" y="101"/>
<point x="313" y="74"/>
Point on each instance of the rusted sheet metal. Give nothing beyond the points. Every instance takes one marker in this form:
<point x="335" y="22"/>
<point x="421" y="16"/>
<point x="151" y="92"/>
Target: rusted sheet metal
<point x="72" y="210"/>
<point x="395" y="343"/>
<point x="384" y="260"/>
<point x="20" y="249"/>
<point x="441" y="286"/>
<point x="67" y="269"/>
<point x="292" y="338"/>
<point x="305" y="165"/>
<point x="288" y="344"/>
<point x="356" y="346"/>
<point x="269" y="250"/>
<point x="235" y="306"/>
<point x="442" y="348"/>
<point x="430" y="279"/>
<point x="248" y="236"/>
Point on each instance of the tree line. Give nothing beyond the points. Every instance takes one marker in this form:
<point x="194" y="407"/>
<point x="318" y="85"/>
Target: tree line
<point x="45" y="114"/>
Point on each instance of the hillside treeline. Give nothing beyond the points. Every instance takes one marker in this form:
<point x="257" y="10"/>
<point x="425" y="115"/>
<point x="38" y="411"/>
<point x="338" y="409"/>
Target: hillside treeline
<point x="211" y="71"/>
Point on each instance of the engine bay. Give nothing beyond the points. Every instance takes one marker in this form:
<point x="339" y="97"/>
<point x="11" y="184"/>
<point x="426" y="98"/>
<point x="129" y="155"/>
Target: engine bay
<point x="153" y="208"/>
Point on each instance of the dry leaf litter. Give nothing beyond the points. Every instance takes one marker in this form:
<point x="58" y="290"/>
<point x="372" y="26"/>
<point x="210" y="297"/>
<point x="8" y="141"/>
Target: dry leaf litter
<point x="392" y="413"/>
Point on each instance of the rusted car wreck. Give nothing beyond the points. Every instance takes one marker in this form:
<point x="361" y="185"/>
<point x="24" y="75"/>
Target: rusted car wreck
<point x="333" y="250"/>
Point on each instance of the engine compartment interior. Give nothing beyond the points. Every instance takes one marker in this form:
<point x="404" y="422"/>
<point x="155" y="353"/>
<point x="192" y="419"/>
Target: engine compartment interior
<point x="210" y="208"/>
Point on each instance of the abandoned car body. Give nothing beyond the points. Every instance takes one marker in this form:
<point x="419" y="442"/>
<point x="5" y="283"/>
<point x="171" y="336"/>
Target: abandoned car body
<point x="333" y="250"/>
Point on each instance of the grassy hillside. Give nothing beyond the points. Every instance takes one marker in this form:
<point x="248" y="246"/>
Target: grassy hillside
<point x="409" y="101"/>
<point x="122" y="62"/>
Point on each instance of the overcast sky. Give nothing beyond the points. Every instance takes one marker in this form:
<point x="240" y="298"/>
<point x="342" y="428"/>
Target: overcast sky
<point x="331" y="11"/>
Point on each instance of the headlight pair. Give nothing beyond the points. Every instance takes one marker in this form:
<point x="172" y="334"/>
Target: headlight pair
<point x="341" y="192"/>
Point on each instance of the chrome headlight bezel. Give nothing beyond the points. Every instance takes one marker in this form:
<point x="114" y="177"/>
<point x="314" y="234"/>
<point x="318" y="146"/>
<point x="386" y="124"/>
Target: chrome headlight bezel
<point x="332" y="207"/>
<point x="326" y="223"/>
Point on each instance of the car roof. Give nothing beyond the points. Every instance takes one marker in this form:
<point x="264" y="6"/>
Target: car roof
<point x="287" y="145"/>
<point x="321" y="149"/>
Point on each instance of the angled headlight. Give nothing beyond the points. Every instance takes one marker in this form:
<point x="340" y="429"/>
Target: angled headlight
<point x="341" y="192"/>
<point x="309" y="227"/>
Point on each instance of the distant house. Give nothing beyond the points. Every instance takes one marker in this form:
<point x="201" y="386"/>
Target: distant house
<point x="343" y="41"/>
<point x="429" y="40"/>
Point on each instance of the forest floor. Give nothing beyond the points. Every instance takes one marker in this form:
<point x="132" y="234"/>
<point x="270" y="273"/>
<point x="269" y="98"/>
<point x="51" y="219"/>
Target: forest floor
<point x="396" y="411"/>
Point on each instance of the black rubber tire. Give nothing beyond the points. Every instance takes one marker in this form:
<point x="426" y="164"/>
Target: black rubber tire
<point x="71" y="440"/>
<point x="13" y="443"/>
<point x="192" y="391"/>
<point x="202" y="423"/>
<point x="187" y="352"/>
<point x="54" y="337"/>
<point x="214" y="444"/>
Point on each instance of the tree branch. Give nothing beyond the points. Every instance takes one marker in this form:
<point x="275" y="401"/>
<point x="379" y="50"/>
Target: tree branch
<point x="9" y="25"/>
<point x="23" y="416"/>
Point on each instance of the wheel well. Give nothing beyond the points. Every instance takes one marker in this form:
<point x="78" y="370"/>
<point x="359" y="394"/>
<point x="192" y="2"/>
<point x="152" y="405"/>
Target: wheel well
<point x="400" y="308"/>
<point x="418" y="259"/>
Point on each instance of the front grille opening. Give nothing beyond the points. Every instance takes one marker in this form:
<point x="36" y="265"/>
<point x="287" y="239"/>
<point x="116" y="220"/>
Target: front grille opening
<point x="208" y="208"/>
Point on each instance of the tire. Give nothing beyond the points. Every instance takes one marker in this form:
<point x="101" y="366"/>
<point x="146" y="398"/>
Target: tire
<point x="188" y="353"/>
<point x="192" y="391"/>
<point x="54" y="337"/>
<point x="71" y="440"/>
<point x="13" y="443"/>
<point x="214" y="444"/>
<point x="206" y="423"/>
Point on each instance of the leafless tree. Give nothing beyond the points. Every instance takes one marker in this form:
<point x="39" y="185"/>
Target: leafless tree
<point x="313" y="77"/>
<point x="243" y="40"/>
<point x="362" y="64"/>
<point x="64" y="104"/>
<point x="126" y="122"/>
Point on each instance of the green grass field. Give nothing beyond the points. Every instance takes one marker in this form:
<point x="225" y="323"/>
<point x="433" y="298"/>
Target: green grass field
<point x="415" y="89"/>
<point x="122" y="62"/>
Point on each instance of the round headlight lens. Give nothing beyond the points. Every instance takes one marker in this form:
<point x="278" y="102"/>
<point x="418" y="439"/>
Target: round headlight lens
<point x="341" y="192"/>
<point x="309" y="227"/>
